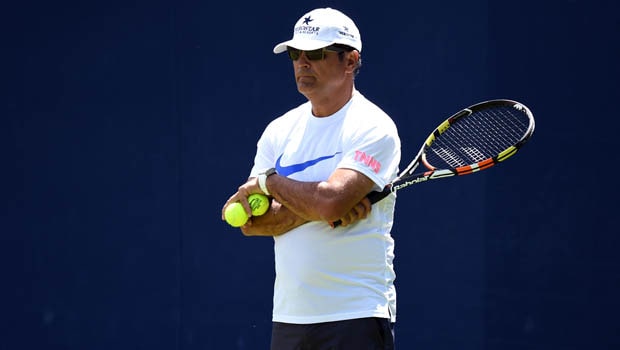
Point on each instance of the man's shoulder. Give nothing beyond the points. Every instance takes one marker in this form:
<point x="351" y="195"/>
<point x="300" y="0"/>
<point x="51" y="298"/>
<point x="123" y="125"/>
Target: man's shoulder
<point x="296" y="112"/>
<point x="360" y="102"/>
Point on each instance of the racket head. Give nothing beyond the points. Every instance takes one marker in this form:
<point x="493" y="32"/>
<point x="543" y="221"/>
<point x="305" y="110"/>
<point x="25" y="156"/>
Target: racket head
<point x="473" y="139"/>
<point x="478" y="137"/>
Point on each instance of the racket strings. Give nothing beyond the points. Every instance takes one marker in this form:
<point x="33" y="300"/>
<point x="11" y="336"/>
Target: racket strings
<point x="479" y="136"/>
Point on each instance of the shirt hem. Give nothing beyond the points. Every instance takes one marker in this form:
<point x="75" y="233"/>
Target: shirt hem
<point x="331" y="318"/>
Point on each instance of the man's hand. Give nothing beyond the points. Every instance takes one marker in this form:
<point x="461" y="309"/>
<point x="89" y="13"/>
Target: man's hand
<point x="359" y="212"/>
<point x="276" y="221"/>
<point x="242" y="194"/>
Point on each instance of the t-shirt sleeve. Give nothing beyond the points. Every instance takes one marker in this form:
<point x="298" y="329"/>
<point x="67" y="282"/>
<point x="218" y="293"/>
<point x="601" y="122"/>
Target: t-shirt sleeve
<point x="264" y="158"/>
<point x="375" y="154"/>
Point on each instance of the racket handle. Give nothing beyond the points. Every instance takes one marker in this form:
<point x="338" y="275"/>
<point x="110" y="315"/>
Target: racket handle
<point x="373" y="197"/>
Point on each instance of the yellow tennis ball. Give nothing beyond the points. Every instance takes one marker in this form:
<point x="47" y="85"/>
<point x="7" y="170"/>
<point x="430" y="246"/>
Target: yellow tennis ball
<point x="235" y="215"/>
<point x="259" y="204"/>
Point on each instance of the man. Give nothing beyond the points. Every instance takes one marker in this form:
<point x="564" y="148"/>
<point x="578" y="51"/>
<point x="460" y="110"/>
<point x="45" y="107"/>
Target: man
<point x="334" y="286"/>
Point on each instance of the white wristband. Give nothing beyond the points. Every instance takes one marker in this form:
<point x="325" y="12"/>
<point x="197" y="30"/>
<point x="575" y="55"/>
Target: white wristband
<point x="262" y="183"/>
<point x="262" y="180"/>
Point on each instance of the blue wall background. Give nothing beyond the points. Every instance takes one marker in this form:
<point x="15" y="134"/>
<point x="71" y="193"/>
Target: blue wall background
<point x="126" y="125"/>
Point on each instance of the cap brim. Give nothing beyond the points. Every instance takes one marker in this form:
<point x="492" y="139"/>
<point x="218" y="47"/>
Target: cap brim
<point x="305" y="45"/>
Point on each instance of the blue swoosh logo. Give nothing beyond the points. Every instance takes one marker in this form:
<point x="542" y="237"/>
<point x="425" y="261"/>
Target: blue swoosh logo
<point x="295" y="168"/>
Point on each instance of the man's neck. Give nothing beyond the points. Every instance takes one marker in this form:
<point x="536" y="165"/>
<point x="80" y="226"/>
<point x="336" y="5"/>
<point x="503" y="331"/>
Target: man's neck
<point x="327" y="105"/>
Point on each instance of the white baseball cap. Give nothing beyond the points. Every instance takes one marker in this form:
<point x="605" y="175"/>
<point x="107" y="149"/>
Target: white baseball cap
<point x="320" y="28"/>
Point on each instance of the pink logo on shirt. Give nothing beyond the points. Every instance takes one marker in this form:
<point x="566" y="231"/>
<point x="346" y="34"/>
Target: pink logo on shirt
<point x="368" y="160"/>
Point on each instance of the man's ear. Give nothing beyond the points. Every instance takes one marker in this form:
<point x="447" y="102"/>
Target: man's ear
<point x="352" y="59"/>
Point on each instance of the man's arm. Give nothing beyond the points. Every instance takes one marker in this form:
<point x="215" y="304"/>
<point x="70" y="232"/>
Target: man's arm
<point x="327" y="201"/>
<point x="276" y="221"/>
<point x="341" y="197"/>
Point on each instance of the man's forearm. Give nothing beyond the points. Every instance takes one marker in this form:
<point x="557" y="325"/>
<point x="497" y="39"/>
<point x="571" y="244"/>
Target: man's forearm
<point x="321" y="201"/>
<point x="299" y="197"/>
<point x="276" y="221"/>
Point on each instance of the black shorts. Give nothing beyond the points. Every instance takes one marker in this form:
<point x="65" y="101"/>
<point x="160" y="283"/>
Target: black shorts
<point x="358" y="334"/>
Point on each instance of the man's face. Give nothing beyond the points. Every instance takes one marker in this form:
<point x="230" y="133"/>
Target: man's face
<point x="319" y="78"/>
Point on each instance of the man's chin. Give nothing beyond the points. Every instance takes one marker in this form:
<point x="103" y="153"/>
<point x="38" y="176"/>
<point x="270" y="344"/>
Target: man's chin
<point x="305" y="89"/>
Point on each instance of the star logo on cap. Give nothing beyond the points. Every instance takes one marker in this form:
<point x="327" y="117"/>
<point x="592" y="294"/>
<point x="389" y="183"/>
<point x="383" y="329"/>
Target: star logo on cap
<point x="307" y="20"/>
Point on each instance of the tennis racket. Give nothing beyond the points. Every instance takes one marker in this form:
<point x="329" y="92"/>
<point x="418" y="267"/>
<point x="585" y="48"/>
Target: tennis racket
<point x="474" y="139"/>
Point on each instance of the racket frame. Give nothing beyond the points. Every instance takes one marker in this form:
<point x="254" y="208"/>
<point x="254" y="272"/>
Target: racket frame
<point x="407" y="177"/>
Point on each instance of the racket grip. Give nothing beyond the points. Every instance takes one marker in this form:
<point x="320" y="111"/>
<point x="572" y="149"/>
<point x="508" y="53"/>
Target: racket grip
<point x="373" y="197"/>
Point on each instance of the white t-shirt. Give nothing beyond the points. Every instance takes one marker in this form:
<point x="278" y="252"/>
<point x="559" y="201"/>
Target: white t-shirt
<point x="325" y="274"/>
